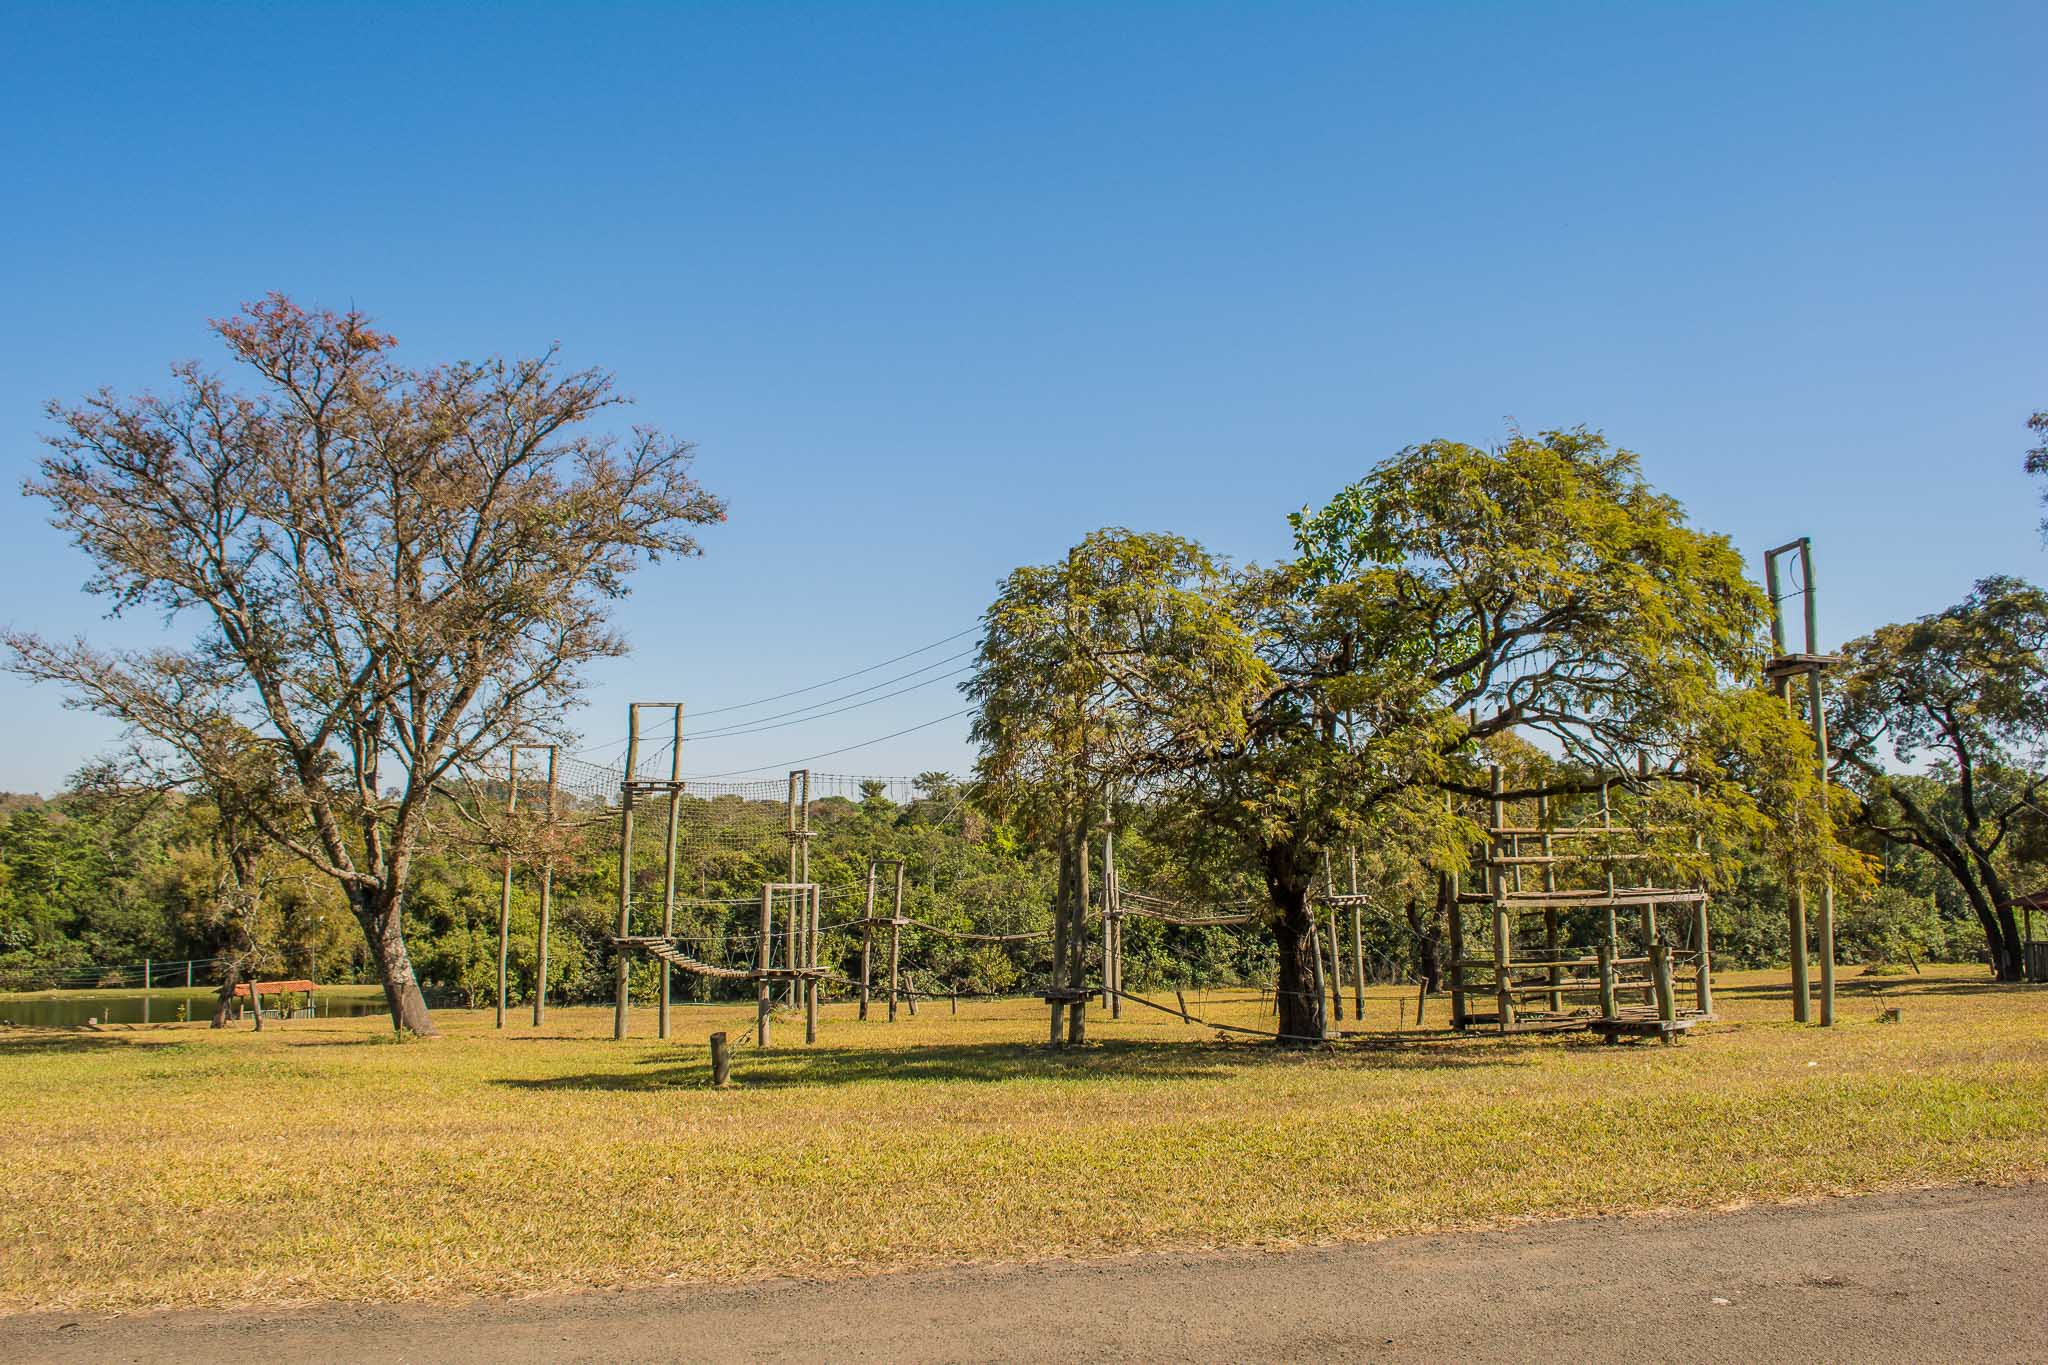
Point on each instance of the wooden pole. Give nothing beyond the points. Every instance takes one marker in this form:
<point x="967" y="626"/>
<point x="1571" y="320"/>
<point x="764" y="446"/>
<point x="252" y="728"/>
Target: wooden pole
<point x="1606" y="952"/>
<point x="789" y="943"/>
<point x="1357" y="947"/>
<point x="1336" y="971"/>
<point x="668" y="859"/>
<point x="895" y="940"/>
<point x="540" y="970"/>
<point x="811" y="955"/>
<point x="547" y="890"/>
<point x="1503" y="926"/>
<point x="811" y="963"/>
<point x="1795" y="894"/>
<point x="1112" y="927"/>
<point x="623" y="984"/>
<point x="1447" y="893"/>
<point x="867" y="943"/>
<point x="721" y="1063"/>
<point x="1703" y="977"/>
<point x="1077" y="971"/>
<point x="1062" y="895"/>
<point x="1550" y="917"/>
<point x="764" y="956"/>
<point x="1827" y="885"/>
<point x="505" y="890"/>
<point x="1660" y="975"/>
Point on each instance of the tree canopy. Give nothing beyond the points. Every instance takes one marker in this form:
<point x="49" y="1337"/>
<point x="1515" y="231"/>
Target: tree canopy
<point x="389" y="573"/>
<point x="1964" y="693"/>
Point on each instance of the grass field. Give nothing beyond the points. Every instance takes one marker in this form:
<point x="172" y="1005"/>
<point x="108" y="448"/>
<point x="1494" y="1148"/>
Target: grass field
<point x="171" y="1165"/>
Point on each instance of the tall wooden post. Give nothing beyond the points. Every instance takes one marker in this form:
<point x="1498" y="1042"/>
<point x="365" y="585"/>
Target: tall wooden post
<point x="1112" y="927"/>
<point x="895" y="940"/>
<point x="1357" y="944"/>
<point x="547" y="892"/>
<point x="1336" y="970"/>
<point x="1503" y="923"/>
<point x="1335" y="1004"/>
<point x="505" y="890"/>
<point x="867" y="943"/>
<point x="790" y="945"/>
<point x="1703" y="978"/>
<point x="540" y="951"/>
<point x="1062" y="899"/>
<point x="811" y="957"/>
<point x="764" y="958"/>
<point x="1795" y="893"/>
<point x="623" y="984"/>
<point x="1550" y="920"/>
<point x="1077" y="971"/>
<point x="811" y="902"/>
<point x="668" y="859"/>
<point x="1447" y="895"/>
<point x="1827" y="886"/>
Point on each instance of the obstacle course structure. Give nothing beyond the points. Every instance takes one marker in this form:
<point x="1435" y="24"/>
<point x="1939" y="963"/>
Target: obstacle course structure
<point x="1588" y="885"/>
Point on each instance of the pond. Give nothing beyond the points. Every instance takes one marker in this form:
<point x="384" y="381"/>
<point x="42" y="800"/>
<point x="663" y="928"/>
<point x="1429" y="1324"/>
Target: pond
<point x="70" y="1009"/>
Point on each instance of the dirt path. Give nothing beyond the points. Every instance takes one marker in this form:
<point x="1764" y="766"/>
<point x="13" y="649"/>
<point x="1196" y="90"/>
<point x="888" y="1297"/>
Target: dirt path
<point x="1943" y="1274"/>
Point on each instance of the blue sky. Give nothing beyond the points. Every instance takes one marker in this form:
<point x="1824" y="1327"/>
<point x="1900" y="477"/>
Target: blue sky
<point x="938" y="288"/>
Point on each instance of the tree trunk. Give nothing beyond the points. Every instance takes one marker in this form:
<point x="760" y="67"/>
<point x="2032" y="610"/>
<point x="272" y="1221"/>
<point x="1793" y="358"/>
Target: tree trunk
<point x="379" y="913"/>
<point x="2005" y="960"/>
<point x="229" y="980"/>
<point x="1299" y="1003"/>
<point x="1429" y="947"/>
<point x="2001" y="926"/>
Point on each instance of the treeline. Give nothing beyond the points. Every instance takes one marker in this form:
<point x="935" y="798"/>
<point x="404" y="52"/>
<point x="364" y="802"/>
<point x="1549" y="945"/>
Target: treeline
<point x="92" y="884"/>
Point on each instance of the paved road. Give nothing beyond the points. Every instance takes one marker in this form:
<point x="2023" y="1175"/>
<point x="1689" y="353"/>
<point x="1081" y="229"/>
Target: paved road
<point x="1950" y="1274"/>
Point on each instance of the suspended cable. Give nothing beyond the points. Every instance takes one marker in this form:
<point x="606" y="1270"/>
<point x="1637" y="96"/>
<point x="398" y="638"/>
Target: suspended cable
<point x="733" y="732"/>
<point x="812" y="758"/>
<point x="858" y="672"/>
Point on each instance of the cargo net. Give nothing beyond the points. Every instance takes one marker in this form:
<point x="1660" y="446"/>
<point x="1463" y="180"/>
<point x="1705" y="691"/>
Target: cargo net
<point x="730" y="838"/>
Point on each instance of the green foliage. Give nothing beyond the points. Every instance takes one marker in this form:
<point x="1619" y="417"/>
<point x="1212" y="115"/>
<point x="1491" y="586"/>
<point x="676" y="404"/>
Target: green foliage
<point x="1941" y="726"/>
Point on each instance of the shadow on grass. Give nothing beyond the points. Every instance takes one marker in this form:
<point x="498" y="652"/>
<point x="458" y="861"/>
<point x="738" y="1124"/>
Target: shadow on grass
<point x="24" y="1041"/>
<point x="1857" y="985"/>
<point x="1116" y="1061"/>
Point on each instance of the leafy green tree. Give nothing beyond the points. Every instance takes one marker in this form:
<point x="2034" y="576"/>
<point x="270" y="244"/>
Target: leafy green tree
<point x="1458" y="596"/>
<point x="1104" y="674"/>
<point x="1963" y="692"/>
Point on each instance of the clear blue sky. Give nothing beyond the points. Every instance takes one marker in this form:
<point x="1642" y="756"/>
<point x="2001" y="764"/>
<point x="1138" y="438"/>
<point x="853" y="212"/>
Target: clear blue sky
<point x="938" y="288"/>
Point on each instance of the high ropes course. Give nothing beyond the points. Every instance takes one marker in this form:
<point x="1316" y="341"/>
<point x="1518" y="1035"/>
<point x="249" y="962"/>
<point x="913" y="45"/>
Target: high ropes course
<point x="681" y="841"/>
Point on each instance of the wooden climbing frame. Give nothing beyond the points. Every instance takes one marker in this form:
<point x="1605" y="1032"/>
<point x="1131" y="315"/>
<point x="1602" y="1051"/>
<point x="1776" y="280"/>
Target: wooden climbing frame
<point x="1558" y="986"/>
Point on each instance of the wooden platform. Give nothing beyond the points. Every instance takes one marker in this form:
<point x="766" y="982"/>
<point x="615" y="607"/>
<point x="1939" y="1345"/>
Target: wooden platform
<point x="1628" y="1026"/>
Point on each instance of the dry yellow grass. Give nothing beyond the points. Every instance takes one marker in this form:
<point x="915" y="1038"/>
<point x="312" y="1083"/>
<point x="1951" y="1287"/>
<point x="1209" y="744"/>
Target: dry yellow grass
<point x="175" y="1166"/>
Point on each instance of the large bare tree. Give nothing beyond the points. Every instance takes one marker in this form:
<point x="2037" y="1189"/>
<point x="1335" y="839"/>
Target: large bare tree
<point x="391" y="572"/>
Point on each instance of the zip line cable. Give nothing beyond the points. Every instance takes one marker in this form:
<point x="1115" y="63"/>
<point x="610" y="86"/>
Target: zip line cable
<point x="858" y="672"/>
<point x="811" y="758"/>
<point x="733" y="732"/>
